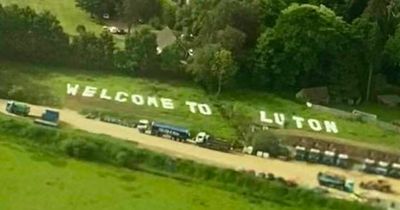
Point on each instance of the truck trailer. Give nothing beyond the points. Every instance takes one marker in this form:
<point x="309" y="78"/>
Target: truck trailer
<point x="165" y="130"/>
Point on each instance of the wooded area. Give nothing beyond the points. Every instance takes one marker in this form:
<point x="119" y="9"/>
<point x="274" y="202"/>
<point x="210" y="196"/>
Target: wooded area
<point x="350" y="46"/>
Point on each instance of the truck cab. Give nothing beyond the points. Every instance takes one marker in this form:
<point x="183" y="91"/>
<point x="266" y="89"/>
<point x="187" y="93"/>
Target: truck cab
<point x="343" y="161"/>
<point x="314" y="155"/>
<point x="394" y="170"/>
<point x="17" y="108"/>
<point x="328" y="158"/>
<point x="301" y="153"/>
<point x="143" y="125"/>
<point x="369" y="165"/>
<point x="201" y="137"/>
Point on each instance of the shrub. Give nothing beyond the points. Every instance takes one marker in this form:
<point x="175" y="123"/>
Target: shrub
<point x="79" y="148"/>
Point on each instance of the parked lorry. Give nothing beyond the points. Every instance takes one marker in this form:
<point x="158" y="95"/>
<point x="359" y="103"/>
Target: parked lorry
<point x="394" y="170"/>
<point x="301" y="153"/>
<point x="18" y="108"/>
<point x="165" y="130"/>
<point x="314" y="155"/>
<point x="339" y="182"/>
<point x="49" y="118"/>
<point x="204" y="139"/>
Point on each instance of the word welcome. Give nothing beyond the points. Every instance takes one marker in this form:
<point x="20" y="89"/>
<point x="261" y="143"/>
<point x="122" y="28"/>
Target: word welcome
<point x="315" y="125"/>
<point x="137" y="99"/>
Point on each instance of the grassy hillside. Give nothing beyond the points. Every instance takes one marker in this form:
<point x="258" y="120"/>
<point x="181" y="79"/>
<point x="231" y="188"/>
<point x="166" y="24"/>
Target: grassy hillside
<point x="68" y="15"/>
<point x="43" y="85"/>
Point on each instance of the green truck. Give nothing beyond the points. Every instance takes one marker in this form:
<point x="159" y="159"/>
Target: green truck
<point x="331" y="180"/>
<point x="18" y="108"/>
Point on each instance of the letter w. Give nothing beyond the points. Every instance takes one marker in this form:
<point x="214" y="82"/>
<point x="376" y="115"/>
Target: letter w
<point x="72" y="90"/>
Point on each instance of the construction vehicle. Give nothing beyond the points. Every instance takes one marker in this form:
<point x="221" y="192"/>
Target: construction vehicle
<point x="18" y="108"/>
<point x="301" y="153"/>
<point x="314" y="156"/>
<point x="328" y="158"/>
<point x="339" y="182"/>
<point x="205" y="140"/>
<point x="394" y="170"/>
<point x="378" y="185"/>
<point x="49" y="118"/>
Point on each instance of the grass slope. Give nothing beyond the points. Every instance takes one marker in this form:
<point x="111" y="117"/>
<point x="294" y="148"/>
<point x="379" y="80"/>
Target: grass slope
<point x="46" y="85"/>
<point x="65" y="11"/>
<point x="31" y="180"/>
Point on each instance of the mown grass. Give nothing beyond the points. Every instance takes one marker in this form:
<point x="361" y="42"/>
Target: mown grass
<point x="66" y="12"/>
<point x="51" y="84"/>
<point x="33" y="180"/>
<point x="36" y="174"/>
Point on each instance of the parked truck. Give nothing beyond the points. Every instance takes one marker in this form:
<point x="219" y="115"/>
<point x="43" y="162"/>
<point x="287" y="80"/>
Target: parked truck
<point x="49" y="118"/>
<point x="394" y="170"/>
<point x="204" y="139"/>
<point x="18" y="108"/>
<point x="165" y="130"/>
<point x="339" y="182"/>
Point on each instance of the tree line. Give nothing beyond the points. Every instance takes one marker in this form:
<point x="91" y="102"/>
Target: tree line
<point x="347" y="45"/>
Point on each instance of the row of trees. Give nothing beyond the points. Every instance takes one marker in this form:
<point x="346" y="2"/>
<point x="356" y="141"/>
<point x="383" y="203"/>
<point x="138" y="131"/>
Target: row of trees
<point x="261" y="44"/>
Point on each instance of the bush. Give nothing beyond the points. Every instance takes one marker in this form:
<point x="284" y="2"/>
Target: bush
<point x="79" y="148"/>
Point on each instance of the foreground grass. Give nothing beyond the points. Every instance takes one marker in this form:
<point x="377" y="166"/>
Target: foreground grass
<point x="44" y="85"/>
<point x="35" y="174"/>
<point x="32" y="180"/>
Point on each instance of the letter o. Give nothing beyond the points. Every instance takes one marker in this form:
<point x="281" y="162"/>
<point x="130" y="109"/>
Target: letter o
<point x="137" y="99"/>
<point x="204" y="109"/>
<point x="315" y="125"/>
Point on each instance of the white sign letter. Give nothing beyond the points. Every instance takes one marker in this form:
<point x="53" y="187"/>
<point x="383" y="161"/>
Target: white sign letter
<point x="72" y="90"/>
<point x="299" y="121"/>
<point x="152" y="101"/>
<point x="121" y="97"/>
<point x="89" y="91"/>
<point x="103" y="94"/>
<point x="314" y="125"/>
<point x="138" y="100"/>
<point x="192" y="106"/>
<point x="264" y="118"/>
<point x="167" y="103"/>
<point x="205" y="109"/>
<point x="279" y="119"/>
<point x="331" y="127"/>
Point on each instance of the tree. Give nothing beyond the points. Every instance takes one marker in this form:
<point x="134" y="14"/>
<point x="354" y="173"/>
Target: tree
<point x="92" y="52"/>
<point x="392" y="58"/>
<point x="231" y="39"/>
<point x="139" y="11"/>
<point x="308" y="36"/>
<point x="213" y="67"/>
<point x="140" y="53"/>
<point x="268" y="142"/>
<point x="171" y="58"/>
<point x="384" y="17"/>
<point x="223" y="68"/>
<point x="30" y="36"/>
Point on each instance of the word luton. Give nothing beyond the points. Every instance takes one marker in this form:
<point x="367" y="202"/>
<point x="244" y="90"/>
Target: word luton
<point x="140" y="100"/>
<point x="315" y="125"/>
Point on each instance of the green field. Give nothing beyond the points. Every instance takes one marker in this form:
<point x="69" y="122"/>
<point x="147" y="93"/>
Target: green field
<point x="44" y="85"/>
<point x="32" y="180"/>
<point x="65" y="11"/>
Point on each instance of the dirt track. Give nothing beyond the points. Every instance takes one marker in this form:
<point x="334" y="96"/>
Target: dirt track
<point x="303" y="173"/>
